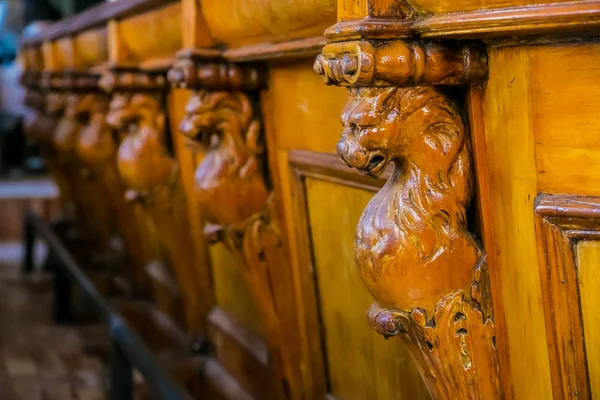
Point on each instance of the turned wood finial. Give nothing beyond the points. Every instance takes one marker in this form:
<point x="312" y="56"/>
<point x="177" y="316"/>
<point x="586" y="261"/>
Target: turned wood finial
<point x="399" y="63"/>
<point x="207" y="69"/>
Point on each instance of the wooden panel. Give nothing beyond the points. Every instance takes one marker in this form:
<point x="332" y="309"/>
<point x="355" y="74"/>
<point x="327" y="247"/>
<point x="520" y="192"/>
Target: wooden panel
<point x="267" y="20"/>
<point x="361" y="363"/>
<point x="231" y="290"/>
<point x="564" y="93"/>
<point x="510" y="151"/>
<point x="563" y="221"/>
<point x="92" y="47"/>
<point x="588" y="267"/>
<point x="295" y="118"/>
<point x="300" y="119"/>
<point x="162" y="25"/>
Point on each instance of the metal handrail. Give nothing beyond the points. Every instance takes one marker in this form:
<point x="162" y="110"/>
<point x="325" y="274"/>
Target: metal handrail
<point x="128" y="351"/>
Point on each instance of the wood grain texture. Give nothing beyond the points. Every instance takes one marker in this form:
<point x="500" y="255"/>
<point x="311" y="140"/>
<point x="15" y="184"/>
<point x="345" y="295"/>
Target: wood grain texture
<point x="251" y="22"/>
<point x="291" y="112"/>
<point x="485" y="225"/>
<point x="510" y="18"/>
<point x="588" y="254"/>
<point x="561" y="222"/>
<point x="91" y="47"/>
<point x="392" y="373"/>
<point x="567" y="145"/>
<point x="93" y="17"/>
<point x="163" y="25"/>
<point x="510" y="154"/>
<point x="448" y="6"/>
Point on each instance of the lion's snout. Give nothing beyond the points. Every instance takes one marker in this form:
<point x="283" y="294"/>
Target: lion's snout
<point x="353" y="154"/>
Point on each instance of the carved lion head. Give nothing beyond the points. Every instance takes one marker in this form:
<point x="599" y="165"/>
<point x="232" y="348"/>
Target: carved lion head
<point x="78" y="109"/>
<point x="417" y="128"/>
<point x="229" y="182"/>
<point x="95" y="144"/>
<point x="143" y="157"/>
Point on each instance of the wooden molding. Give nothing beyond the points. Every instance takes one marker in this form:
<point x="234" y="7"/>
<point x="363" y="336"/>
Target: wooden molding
<point x="94" y="17"/>
<point x="562" y="221"/>
<point x="69" y="81"/>
<point x="539" y="19"/>
<point x="291" y="49"/>
<point x="207" y="69"/>
<point x="325" y="167"/>
<point x="123" y="79"/>
<point x="397" y="63"/>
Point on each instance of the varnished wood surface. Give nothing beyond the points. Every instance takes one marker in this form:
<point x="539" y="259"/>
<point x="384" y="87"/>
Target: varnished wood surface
<point x="567" y="226"/>
<point x="510" y="147"/>
<point x="163" y="25"/>
<point x="251" y="22"/>
<point x="588" y="254"/>
<point x="393" y="374"/>
<point x="280" y="299"/>
<point x="529" y="19"/>
<point x="448" y="6"/>
<point x="94" y="17"/>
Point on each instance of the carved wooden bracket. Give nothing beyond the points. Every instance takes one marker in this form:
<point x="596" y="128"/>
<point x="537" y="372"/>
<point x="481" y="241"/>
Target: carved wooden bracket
<point x="136" y="113"/>
<point x="237" y="204"/>
<point x="413" y="250"/>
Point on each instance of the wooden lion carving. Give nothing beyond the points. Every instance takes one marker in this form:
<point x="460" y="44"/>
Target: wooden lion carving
<point x="237" y="207"/>
<point x="413" y="251"/>
<point x="144" y="160"/>
<point x="229" y="183"/>
<point x="415" y="227"/>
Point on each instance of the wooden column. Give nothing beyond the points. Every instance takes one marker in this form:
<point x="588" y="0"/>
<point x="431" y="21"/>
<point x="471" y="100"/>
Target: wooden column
<point x="426" y="272"/>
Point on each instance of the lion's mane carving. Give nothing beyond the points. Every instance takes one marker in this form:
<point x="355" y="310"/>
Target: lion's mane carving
<point x="412" y="245"/>
<point x="78" y="109"/>
<point x="229" y="182"/>
<point x="143" y="157"/>
<point x="95" y="144"/>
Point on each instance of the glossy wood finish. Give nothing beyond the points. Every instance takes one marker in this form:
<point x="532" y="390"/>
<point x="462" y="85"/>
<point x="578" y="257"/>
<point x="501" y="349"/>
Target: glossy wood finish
<point x="325" y="183"/>
<point x="485" y="126"/>
<point x="587" y="261"/>
<point x="251" y="22"/>
<point x="513" y="187"/>
<point x="561" y="222"/>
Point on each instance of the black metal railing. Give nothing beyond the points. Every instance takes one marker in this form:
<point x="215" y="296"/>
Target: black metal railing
<point x="127" y="350"/>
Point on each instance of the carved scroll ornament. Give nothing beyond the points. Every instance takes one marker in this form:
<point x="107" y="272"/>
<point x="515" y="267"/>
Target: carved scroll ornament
<point x="413" y="251"/>
<point x="396" y="63"/>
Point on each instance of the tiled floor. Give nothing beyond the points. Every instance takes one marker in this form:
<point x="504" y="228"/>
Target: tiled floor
<point x="39" y="360"/>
